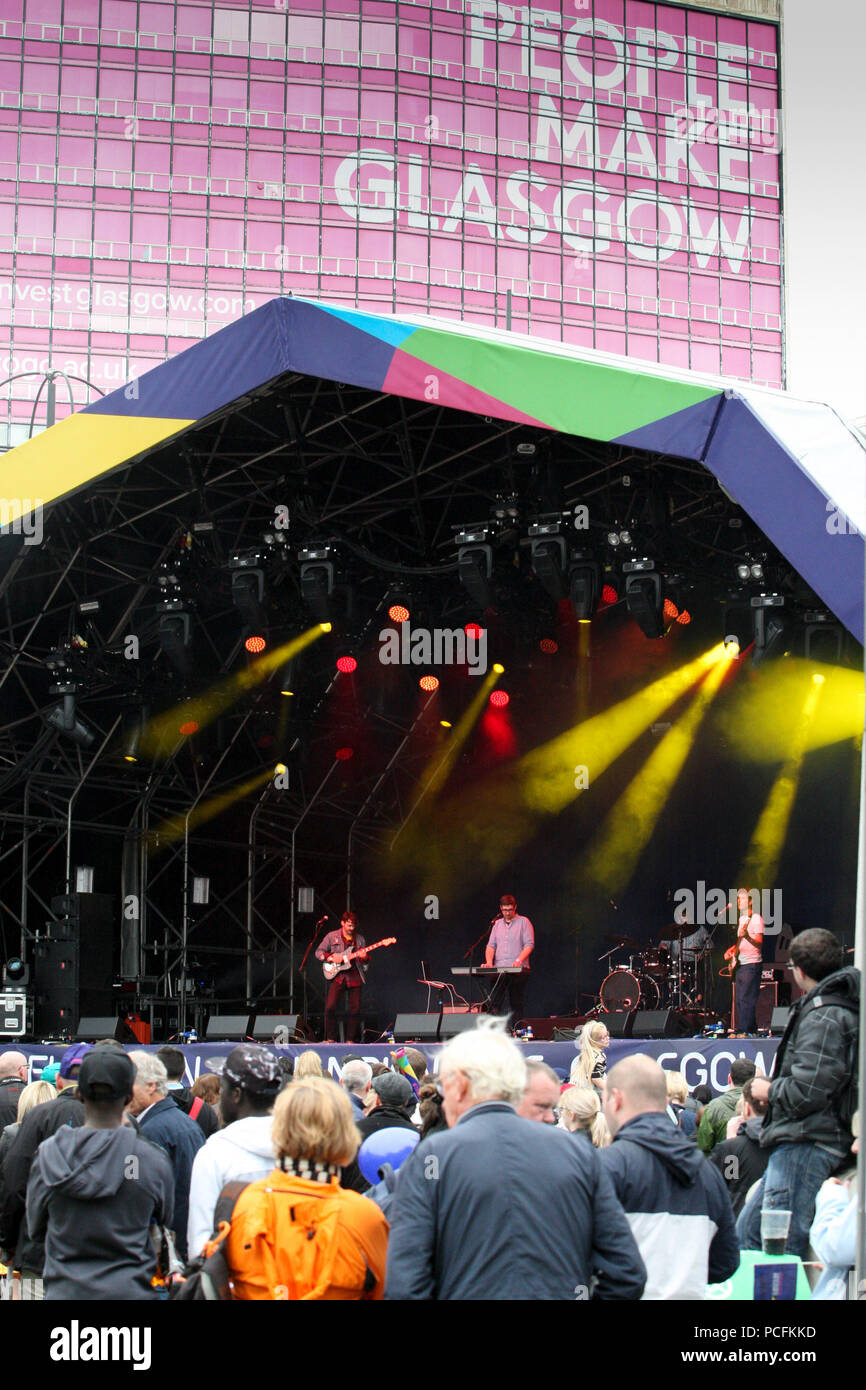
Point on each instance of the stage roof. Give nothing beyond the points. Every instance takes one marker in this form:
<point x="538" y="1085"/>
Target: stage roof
<point x="794" y="466"/>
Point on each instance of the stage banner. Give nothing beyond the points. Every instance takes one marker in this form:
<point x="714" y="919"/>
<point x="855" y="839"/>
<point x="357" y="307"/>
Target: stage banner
<point x="702" y="1062"/>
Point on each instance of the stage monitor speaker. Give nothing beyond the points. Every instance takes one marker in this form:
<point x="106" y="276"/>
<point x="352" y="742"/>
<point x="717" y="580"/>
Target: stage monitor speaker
<point x="452" y="1024"/>
<point x="767" y="1003"/>
<point x="659" y="1023"/>
<point x="278" y="1028"/>
<point x="423" y="1027"/>
<point x="92" y="1028"/>
<point x="779" y="1021"/>
<point x="618" y="1025"/>
<point x="227" y="1028"/>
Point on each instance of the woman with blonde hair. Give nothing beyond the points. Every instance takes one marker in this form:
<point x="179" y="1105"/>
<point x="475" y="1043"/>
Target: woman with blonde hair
<point x="590" y="1065"/>
<point x="580" y="1113"/>
<point x="37" y="1093"/>
<point x="297" y="1234"/>
<point x="681" y="1110"/>
<point x="308" y="1064"/>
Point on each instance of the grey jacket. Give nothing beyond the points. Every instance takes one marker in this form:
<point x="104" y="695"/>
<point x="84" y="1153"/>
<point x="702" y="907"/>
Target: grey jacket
<point x="815" y="1061"/>
<point x="92" y="1197"/>
<point x="502" y="1208"/>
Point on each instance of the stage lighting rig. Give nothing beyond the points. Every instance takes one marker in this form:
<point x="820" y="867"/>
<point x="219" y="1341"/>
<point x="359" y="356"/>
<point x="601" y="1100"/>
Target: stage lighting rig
<point x="770" y="626"/>
<point x="475" y="565"/>
<point x="823" y="637"/>
<point x="584" y="585"/>
<point x="248" y="589"/>
<point x="318" y="580"/>
<point x="549" y="557"/>
<point x="643" y="596"/>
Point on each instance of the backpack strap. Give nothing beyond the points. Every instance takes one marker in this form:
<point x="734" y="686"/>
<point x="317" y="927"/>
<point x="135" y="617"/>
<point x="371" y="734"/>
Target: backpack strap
<point x="195" y="1108"/>
<point x="226" y="1202"/>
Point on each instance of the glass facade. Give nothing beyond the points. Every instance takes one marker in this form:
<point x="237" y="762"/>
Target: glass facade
<point x="606" y="170"/>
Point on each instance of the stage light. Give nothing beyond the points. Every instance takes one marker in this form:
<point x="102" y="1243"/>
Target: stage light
<point x="643" y="596"/>
<point x="346" y="664"/>
<point x="255" y="644"/>
<point x="613" y="538"/>
<point x="498" y="668"/>
<point x="819" y="680"/>
<point x="326" y="627"/>
<point x="445" y="723"/>
<point x="63" y="717"/>
<point x="684" y="618"/>
<point x="757" y="571"/>
<point x="584" y="583"/>
<point x="670" y="609"/>
<point x="429" y="682"/>
<point x="770" y="626"/>
<point x="499" y="698"/>
<point x="625" y="537"/>
<point x="398" y="614"/>
<point x="732" y="646"/>
<point x="473" y="629"/>
<point x="609" y="594"/>
<point x="248" y="589"/>
<point x="742" y="571"/>
<point x="344" y="754"/>
<point x="317" y="579"/>
<point x="133" y="725"/>
<point x="823" y="638"/>
<point x="475" y="570"/>
<point x="280" y="769"/>
<point x="174" y="634"/>
<point x="188" y="727"/>
<point x="548" y="646"/>
<point x="548" y="559"/>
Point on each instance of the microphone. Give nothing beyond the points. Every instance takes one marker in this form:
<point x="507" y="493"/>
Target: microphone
<point x="322" y="919"/>
<point x="494" y="919"/>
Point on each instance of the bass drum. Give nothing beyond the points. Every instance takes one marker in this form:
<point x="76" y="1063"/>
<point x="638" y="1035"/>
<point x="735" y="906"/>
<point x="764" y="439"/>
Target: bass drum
<point x="624" y="991"/>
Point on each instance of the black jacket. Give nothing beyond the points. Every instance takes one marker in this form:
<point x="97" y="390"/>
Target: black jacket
<point x="384" y="1117"/>
<point x="815" y="1063"/>
<point x="180" y="1137"/>
<point x="92" y="1198"/>
<point x="741" y="1161"/>
<point x="10" y="1090"/>
<point x="42" y="1121"/>
<point x="207" y="1118"/>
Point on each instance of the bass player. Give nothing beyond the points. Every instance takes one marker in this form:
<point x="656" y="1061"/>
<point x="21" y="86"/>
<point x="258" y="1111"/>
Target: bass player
<point x="334" y="947"/>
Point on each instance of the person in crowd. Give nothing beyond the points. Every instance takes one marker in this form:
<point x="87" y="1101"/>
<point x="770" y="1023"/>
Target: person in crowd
<point x="207" y="1088"/>
<point x="741" y="1160"/>
<point x="308" y="1064"/>
<point x="418" y="1062"/>
<point x="165" y="1124"/>
<point x="679" y="1109"/>
<point x="541" y="1097"/>
<point x="37" y="1093"/>
<point x="321" y="1242"/>
<point x="13" y="1079"/>
<point x="580" y="1113"/>
<point x="23" y="1250"/>
<point x="833" y="1236"/>
<point x="430" y="1112"/>
<point x="807" y="1128"/>
<point x="702" y="1095"/>
<point x="96" y="1190"/>
<point x="378" y="1068"/>
<point x="732" y="1128"/>
<point x="487" y="1167"/>
<point x="676" y="1202"/>
<point x="395" y="1101"/>
<point x="714" y="1120"/>
<point x="204" y="1115"/>
<point x="590" y="1065"/>
<point x="250" y="1079"/>
<point x="355" y="1080"/>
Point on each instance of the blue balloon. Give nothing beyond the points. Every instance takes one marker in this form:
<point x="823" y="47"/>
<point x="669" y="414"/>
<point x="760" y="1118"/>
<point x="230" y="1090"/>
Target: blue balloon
<point x="385" y="1146"/>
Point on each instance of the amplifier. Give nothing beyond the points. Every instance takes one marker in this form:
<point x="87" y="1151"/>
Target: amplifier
<point x="16" y="1015"/>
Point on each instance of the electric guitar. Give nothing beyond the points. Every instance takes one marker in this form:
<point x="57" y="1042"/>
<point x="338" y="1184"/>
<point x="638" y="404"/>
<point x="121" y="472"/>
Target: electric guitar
<point x="335" y="967"/>
<point x="727" y="971"/>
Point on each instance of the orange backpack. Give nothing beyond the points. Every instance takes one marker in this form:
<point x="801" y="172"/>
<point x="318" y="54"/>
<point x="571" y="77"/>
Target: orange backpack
<point x="292" y="1239"/>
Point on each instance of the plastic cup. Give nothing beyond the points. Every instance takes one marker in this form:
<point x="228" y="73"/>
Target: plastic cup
<point x="775" y="1225"/>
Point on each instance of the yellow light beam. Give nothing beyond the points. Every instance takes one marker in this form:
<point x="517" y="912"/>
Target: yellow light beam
<point x="761" y="863"/>
<point x="762" y="722"/>
<point x="160" y="734"/>
<point x="620" y="841"/>
<point x="173" y="829"/>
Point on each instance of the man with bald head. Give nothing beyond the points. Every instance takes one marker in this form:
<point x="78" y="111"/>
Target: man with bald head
<point x="13" y="1079"/>
<point x="676" y="1202"/>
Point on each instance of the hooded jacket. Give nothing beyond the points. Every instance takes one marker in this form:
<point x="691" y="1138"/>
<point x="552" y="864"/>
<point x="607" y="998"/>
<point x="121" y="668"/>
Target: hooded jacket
<point x="741" y="1160"/>
<point x="181" y="1138"/>
<point x="10" y="1091"/>
<point x="815" y="1063"/>
<point x="677" y="1206"/>
<point x="92" y="1197"/>
<point x="242" y="1152"/>
<point x="37" y="1125"/>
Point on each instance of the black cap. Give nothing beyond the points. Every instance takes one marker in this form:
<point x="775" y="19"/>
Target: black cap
<point x="250" y="1067"/>
<point x="393" y="1089"/>
<point x="106" y="1074"/>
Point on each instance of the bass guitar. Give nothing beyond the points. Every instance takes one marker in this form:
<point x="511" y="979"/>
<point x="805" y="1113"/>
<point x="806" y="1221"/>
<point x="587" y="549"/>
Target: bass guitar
<point x="335" y="967"/>
<point x="727" y="971"/>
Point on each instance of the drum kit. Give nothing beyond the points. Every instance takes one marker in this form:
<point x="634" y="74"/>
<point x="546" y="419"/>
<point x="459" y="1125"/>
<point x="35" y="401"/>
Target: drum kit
<point x="658" y="976"/>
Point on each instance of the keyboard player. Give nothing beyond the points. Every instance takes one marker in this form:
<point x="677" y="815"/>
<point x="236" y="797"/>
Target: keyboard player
<point x="511" y="942"/>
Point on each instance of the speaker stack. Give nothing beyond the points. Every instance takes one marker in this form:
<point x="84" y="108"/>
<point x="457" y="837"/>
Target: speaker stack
<point x="73" y="965"/>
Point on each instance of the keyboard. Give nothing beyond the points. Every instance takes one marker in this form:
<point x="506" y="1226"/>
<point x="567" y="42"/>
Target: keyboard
<point x="487" y="970"/>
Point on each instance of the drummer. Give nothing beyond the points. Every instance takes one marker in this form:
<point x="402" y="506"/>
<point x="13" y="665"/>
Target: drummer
<point x="692" y="947"/>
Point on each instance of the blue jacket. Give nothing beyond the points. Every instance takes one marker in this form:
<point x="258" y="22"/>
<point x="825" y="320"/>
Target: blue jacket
<point x="502" y="1208"/>
<point x="181" y="1138"/>
<point x="677" y="1206"/>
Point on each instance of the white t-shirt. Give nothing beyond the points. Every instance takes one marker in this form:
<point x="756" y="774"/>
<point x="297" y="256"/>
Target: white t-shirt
<point x="749" y="954"/>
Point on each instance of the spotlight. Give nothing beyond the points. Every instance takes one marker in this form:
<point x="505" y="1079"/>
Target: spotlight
<point x="133" y="724"/>
<point x="346" y="664"/>
<point x="584" y="581"/>
<point x="174" y="633"/>
<point x="445" y="723"/>
<point x="548" y="559"/>
<point x="499" y="699"/>
<point x="670" y="609"/>
<point x="429" y="682"/>
<point x="743" y="571"/>
<point x="64" y="718"/>
<point x="15" y="972"/>
<point x="498" y="668"/>
<point x="201" y="891"/>
<point x="475" y="569"/>
<point x="625" y="537"/>
<point x="188" y="727"/>
<point x="473" y="630"/>
<point x="684" y="617"/>
<point x="398" y="614"/>
<point x="609" y="594"/>
<point x="317" y="579"/>
<point x="770" y="626"/>
<point x="643" y="596"/>
<point x="613" y="538"/>
<point x="287" y="676"/>
<point x="732" y="646"/>
<point x="823" y="638"/>
<point x="255" y="644"/>
<point x="344" y="754"/>
<point x="548" y="646"/>
<point x="757" y="571"/>
<point x="248" y="588"/>
<point x="818" y="680"/>
<point x="280" y="770"/>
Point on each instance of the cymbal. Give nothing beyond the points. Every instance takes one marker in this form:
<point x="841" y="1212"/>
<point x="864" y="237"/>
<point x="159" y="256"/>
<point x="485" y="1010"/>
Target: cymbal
<point x="677" y="930"/>
<point x="626" y="941"/>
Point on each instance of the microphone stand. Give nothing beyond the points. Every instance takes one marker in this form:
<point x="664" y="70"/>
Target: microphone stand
<point x="467" y="955"/>
<point x="302" y="969"/>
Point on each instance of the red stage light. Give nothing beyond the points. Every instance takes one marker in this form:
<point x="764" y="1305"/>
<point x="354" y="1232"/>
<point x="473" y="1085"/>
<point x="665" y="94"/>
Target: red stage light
<point x="398" y="614"/>
<point x="548" y="645"/>
<point x="684" y="617"/>
<point x="473" y="629"/>
<point x="670" y="609"/>
<point x="190" y="727"/>
<point x="500" y="699"/>
<point x="429" y="682"/>
<point x="609" y="594"/>
<point x="255" y="644"/>
<point x="346" y="664"/>
<point x="344" y="754"/>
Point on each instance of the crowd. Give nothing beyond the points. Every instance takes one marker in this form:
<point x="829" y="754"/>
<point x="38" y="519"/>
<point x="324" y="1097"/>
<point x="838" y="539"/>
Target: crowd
<point x="259" y="1183"/>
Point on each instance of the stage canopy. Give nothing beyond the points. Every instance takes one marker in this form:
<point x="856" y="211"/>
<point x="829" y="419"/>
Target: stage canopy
<point x="794" y="466"/>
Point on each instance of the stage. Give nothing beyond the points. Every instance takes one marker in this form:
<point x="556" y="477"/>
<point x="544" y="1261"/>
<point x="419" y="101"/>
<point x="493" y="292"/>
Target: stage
<point x="703" y="1061"/>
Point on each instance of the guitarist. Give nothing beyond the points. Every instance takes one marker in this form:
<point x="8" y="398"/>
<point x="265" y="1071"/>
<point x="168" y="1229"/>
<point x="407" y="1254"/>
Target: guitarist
<point x="333" y="947"/>
<point x="750" y="945"/>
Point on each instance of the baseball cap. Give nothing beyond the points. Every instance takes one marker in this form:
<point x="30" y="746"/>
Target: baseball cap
<point x="106" y="1074"/>
<point x="393" y="1089"/>
<point x="72" y="1057"/>
<point x="50" y="1072"/>
<point x="250" y="1067"/>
